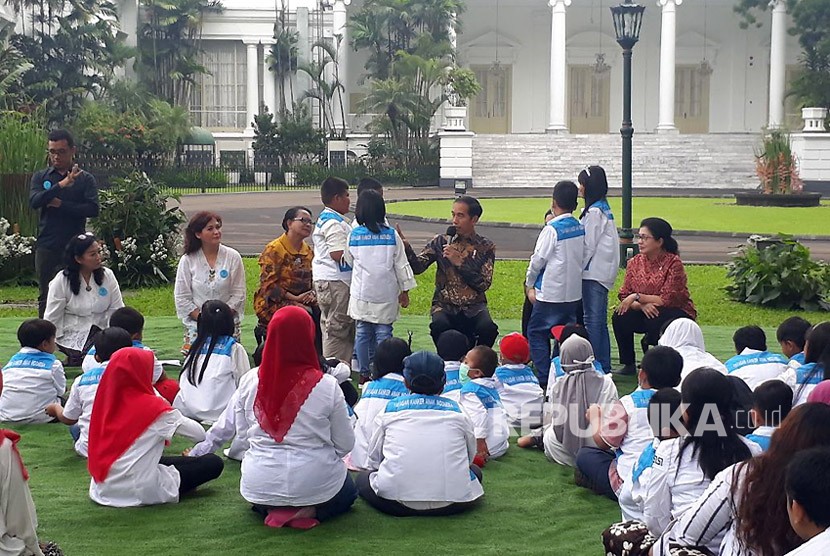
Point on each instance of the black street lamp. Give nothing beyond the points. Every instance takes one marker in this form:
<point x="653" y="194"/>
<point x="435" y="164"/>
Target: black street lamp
<point x="628" y="18"/>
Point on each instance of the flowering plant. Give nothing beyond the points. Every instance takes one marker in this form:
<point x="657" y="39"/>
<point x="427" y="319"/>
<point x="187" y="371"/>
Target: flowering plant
<point x="13" y="245"/>
<point x="140" y="233"/>
<point x="776" y="165"/>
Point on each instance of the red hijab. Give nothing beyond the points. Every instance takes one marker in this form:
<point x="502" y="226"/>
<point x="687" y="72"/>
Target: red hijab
<point x="289" y="371"/>
<point x="125" y="406"/>
<point x="15" y="438"/>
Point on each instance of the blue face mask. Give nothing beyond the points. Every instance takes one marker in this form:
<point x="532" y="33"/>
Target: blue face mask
<point x="463" y="377"/>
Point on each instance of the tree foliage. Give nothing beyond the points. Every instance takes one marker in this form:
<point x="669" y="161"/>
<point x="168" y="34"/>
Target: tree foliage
<point x="74" y="48"/>
<point x="169" y="44"/>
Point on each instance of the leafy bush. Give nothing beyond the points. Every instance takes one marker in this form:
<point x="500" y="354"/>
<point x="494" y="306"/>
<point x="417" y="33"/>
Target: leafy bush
<point x="206" y="178"/>
<point x="289" y="140"/>
<point x="314" y="174"/>
<point x="13" y="246"/>
<point x="778" y="272"/>
<point x="776" y="164"/>
<point x="140" y="233"/>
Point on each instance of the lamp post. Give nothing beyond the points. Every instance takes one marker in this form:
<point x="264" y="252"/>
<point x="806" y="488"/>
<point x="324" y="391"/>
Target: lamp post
<point x="628" y="18"/>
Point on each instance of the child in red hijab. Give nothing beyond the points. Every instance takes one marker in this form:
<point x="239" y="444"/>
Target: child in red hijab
<point x="129" y="428"/>
<point x="293" y="473"/>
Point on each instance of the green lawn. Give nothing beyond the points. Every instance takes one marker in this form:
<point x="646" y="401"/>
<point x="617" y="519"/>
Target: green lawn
<point x="720" y="215"/>
<point x="531" y="506"/>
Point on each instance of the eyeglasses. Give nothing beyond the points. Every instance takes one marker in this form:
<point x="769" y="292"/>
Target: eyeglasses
<point x="641" y="237"/>
<point x="58" y="152"/>
<point x="303" y="220"/>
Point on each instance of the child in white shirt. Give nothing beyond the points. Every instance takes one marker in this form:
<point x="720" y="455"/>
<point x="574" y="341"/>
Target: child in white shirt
<point x="559" y="252"/>
<point x="621" y="432"/>
<point x="132" y="321"/>
<point x="481" y="402"/>
<point x="816" y="360"/>
<point x="33" y="378"/>
<point x="517" y="386"/>
<point x="78" y="409"/>
<point x="754" y="364"/>
<point x="808" y="497"/>
<point x="771" y="403"/>
<point x="452" y="346"/>
<point x="213" y="367"/>
<point x="422" y="449"/>
<point x="386" y="385"/>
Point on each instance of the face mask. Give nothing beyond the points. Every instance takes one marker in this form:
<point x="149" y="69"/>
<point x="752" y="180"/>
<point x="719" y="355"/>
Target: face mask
<point x="462" y="373"/>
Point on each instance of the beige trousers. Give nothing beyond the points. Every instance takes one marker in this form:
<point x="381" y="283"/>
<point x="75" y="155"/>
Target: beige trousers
<point x="335" y="322"/>
<point x="18" y="521"/>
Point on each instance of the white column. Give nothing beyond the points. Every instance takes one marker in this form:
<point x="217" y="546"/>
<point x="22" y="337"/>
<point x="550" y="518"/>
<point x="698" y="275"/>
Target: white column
<point x="665" y="119"/>
<point x="252" y="83"/>
<point x="777" y="63"/>
<point x="269" y="83"/>
<point x="339" y="30"/>
<point x="558" y="67"/>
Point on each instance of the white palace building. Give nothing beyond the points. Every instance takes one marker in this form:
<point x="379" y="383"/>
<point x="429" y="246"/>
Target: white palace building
<point x="551" y="76"/>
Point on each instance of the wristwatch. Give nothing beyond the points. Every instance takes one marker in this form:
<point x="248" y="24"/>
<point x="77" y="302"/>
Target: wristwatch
<point x="637" y="297"/>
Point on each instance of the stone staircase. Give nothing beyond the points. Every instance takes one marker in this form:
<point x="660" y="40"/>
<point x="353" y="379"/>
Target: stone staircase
<point x="713" y="161"/>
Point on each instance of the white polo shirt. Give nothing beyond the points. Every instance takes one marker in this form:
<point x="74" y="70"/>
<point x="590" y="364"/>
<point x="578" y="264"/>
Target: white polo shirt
<point x="32" y="380"/>
<point x="754" y="366"/>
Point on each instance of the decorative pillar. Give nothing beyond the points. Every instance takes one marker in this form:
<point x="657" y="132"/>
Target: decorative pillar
<point x="128" y="25"/>
<point x="269" y="79"/>
<point x="665" y="120"/>
<point x="340" y="102"/>
<point x="777" y="64"/>
<point x="251" y="83"/>
<point x="303" y="54"/>
<point x="558" y="67"/>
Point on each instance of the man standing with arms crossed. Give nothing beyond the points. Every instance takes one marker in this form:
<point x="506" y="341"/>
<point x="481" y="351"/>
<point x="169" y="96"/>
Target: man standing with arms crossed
<point x="66" y="196"/>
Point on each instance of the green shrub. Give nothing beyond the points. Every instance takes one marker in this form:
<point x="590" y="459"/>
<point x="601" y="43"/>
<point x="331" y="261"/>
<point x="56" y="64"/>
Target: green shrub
<point x="206" y="178"/>
<point x="140" y="233"/>
<point x="778" y="272"/>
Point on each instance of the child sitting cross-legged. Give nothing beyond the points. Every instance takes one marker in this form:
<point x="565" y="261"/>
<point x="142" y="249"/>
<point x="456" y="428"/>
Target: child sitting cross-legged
<point x="422" y="449"/>
<point x="78" y="409"/>
<point x="621" y="432"/>
<point x="771" y="403"/>
<point x="808" y="500"/>
<point x="33" y="378"/>
<point x="481" y="402"/>
<point x="387" y="384"/>
<point x="128" y="430"/>
<point x="452" y="346"/>
<point x="132" y="321"/>
<point x="518" y="387"/>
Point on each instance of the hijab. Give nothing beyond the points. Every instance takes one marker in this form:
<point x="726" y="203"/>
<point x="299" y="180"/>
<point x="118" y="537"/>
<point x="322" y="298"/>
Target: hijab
<point x="14" y="438"/>
<point x="125" y="406"/>
<point x="576" y="391"/>
<point x="686" y="337"/>
<point x="289" y="371"/>
<point x="821" y="393"/>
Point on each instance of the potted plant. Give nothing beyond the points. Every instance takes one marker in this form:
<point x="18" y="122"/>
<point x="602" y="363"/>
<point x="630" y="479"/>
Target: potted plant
<point x="777" y="169"/>
<point x="462" y="86"/>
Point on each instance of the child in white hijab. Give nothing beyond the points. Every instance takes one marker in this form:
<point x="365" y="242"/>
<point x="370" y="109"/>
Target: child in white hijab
<point x="686" y="337"/>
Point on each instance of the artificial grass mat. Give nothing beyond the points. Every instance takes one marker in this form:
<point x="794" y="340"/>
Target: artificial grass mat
<point x="531" y="506"/>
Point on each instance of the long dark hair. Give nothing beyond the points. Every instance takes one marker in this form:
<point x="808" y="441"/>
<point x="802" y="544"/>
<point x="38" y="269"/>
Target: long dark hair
<point x="370" y="210"/>
<point x="661" y="229"/>
<point x="215" y="322"/>
<point x="703" y="388"/>
<point x="595" y="183"/>
<point x="817" y="350"/>
<point x="762" y="523"/>
<point x="291" y="214"/>
<point x="76" y="247"/>
<point x="197" y="224"/>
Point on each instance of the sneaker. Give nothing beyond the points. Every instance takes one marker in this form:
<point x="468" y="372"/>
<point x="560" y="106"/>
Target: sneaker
<point x="626" y="370"/>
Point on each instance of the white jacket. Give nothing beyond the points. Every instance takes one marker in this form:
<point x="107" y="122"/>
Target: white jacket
<point x="602" y="245"/>
<point x="559" y="253"/>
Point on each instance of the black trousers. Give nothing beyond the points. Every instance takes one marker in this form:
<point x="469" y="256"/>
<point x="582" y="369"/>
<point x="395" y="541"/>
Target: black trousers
<point x="195" y="471"/>
<point x="396" y="509"/>
<point x="479" y="328"/>
<point x="340" y="503"/>
<point x="47" y="264"/>
<point x="261" y="330"/>
<point x="636" y="322"/>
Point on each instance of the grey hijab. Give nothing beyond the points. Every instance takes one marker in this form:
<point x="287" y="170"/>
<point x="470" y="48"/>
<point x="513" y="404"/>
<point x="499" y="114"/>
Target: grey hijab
<point x="576" y="391"/>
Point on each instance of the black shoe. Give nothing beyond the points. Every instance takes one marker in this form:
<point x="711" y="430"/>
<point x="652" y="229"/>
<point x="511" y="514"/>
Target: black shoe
<point x="626" y="370"/>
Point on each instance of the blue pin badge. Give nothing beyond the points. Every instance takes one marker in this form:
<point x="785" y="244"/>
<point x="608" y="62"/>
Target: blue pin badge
<point x="223" y="273"/>
<point x="47" y="184"/>
<point x="102" y="291"/>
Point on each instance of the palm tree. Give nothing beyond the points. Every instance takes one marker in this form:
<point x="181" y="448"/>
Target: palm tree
<point x="283" y="59"/>
<point x="325" y="88"/>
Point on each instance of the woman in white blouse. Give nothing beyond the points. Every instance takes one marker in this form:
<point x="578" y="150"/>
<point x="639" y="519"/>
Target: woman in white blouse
<point x="293" y="472"/>
<point x="81" y="298"/>
<point x="207" y="270"/>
